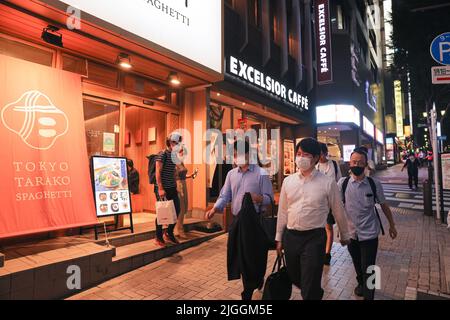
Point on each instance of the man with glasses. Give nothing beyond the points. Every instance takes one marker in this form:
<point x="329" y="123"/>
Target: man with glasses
<point x="166" y="186"/>
<point x="359" y="194"/>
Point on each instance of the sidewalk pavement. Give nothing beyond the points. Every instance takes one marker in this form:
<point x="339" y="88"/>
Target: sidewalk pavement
<point x="416" y="262"/>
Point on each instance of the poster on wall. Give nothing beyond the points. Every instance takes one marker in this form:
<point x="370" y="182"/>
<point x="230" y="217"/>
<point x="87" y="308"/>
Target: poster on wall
<point x="109" y="142"/>
<point x="43" y="159"/>
<point x="348" y="149"/>
<point x="110" y="184"/>
<point x="445" y="160"/>
<point x="289" y="157"/>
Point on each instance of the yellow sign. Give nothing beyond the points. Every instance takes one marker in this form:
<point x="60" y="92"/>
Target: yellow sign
<point x="398" y="107"/>
<point x="407" y="131"/>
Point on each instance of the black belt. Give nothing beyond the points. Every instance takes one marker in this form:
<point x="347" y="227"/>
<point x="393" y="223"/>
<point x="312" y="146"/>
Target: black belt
<point x="305" y="232"/>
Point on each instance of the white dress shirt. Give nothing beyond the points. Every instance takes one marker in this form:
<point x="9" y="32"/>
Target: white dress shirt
<point x="306" y="201"/>
<point x="328" y="170"/>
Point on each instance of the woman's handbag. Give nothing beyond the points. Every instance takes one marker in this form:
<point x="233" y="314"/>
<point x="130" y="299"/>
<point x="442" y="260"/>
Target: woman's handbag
<point x="269" y="224"/>
<point x="278" y="285"/>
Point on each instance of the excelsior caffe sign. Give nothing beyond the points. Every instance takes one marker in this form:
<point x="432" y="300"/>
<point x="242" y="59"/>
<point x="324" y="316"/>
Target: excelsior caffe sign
<point x="177" y="25"/>
<point x="323" y="42"/>
<point x="258" y="79"/>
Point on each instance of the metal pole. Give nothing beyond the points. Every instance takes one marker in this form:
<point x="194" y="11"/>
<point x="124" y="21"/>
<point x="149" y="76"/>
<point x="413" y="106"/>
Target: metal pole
<point x="433" y="137"/>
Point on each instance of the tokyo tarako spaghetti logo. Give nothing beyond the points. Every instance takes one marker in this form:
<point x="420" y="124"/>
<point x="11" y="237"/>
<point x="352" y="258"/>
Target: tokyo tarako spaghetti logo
<point x="35" y="119"/>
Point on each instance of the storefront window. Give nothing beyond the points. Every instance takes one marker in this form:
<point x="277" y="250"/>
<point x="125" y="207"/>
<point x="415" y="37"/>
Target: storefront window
<point x="145" y="88"/>
<point x="103" y="75"/>
<point x="102" y="119"/>
<point x="74" y="64"/>
<point x="26" y="52"/>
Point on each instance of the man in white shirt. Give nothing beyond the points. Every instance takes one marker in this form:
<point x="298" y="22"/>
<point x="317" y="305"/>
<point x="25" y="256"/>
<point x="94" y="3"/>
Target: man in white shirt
<point x="305" y="201"/>
<point x="331" y="169"/>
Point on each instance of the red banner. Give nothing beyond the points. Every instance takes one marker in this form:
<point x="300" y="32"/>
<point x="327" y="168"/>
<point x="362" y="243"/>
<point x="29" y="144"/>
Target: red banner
<point x="44" y="169"/>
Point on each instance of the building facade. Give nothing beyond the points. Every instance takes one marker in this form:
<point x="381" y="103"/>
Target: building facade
<point x="350" y="104"/>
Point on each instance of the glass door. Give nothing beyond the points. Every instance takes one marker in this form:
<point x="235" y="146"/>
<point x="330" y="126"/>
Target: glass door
<point x="102" y="125"/>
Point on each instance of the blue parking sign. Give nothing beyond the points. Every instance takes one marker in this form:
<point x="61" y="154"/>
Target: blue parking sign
<point x="440" y="49"/>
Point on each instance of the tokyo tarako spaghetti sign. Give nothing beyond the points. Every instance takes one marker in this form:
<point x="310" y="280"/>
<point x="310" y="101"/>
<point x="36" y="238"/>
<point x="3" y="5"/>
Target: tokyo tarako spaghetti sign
<point x="45" y="182"/>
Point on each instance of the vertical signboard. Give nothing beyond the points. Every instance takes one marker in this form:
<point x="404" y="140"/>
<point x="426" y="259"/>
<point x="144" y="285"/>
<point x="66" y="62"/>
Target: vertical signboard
<point x="445" y="160"/>
<point x="398" y="107"/>
<point x="323" y="41"/>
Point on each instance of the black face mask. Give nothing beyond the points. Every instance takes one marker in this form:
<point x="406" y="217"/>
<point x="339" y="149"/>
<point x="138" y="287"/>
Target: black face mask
<point x="357" y="171"/>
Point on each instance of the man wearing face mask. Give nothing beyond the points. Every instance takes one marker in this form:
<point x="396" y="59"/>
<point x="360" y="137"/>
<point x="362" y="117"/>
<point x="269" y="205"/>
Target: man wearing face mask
<point x="305" y="200"/>
<point x="413" y="170"/>
<point x="329" y="168"/>
<point x="359" y="194"/>
<point x="245" y="178"/>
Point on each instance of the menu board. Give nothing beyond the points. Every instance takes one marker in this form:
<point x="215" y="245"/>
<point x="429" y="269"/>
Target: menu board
<point x="289" y="157"/>
<point x="110" y="183"/>
<point x="445" y="160"/>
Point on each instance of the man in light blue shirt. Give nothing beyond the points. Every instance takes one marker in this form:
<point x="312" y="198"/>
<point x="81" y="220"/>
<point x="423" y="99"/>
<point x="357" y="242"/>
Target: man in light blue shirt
<point x="360" y="193"/>
<point x="245" y="178"/>
<point x="250" y="178"/>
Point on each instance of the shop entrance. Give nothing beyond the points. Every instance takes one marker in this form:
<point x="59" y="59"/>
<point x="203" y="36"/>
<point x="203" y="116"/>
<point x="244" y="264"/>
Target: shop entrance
<point x="145" y="131"/>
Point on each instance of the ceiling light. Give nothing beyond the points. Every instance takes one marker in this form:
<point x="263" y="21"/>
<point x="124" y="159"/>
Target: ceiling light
<point x="124" y="61"/>
<point x="218" y="94"/>
<point x="174" y="79"/>
<point x="52" y="36"/>
<point x="424" y="114"/>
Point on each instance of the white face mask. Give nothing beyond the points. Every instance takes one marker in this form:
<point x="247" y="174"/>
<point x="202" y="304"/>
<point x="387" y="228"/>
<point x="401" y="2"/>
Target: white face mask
<point x="303" y="163"/>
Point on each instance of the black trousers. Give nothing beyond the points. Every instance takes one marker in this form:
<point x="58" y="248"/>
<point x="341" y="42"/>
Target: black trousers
<point x="305" y="259"/>
<point x="171" y="194"/>
<point x="364" y="254"/>
<point x="411" y="176"/>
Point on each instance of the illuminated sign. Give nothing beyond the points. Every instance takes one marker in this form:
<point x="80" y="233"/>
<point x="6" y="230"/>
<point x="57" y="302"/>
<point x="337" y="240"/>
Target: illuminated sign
<point x="177" y="25"/>
<point x="368" y="127"/>
<point x="348" y="149"/>
<point x="390" y="150"/>
<point x="398" y="107"/>
<point x="338" y="113"/>
<point x="257" y="78"/>
<point x="379" y="136"/>
<point x="323" y="42"/>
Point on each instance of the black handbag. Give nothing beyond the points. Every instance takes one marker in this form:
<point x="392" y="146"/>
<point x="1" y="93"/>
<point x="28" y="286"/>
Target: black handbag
<point x="269" y="225"/>
<point x="278" y="285"/>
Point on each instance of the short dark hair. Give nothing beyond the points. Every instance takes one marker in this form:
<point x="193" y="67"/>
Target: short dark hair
<point x="246" y="145"/>
<point x="323" y="148"/>
<point x="309" y="145"/>
<point x="361" y="151"/>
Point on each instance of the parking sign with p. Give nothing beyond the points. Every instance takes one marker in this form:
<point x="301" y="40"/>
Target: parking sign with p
<point x="440" y="49"/>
